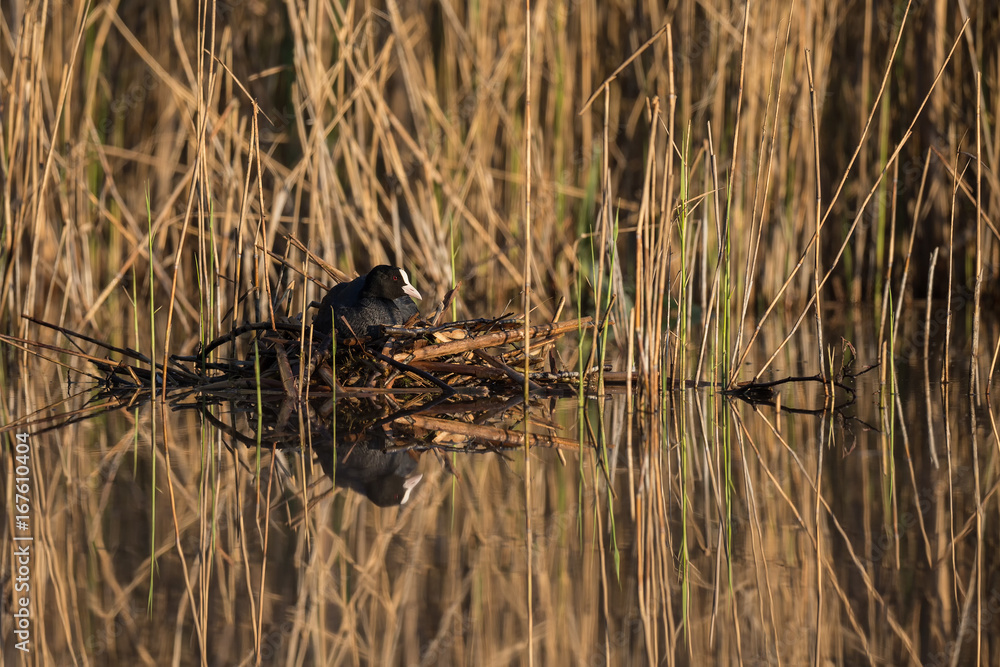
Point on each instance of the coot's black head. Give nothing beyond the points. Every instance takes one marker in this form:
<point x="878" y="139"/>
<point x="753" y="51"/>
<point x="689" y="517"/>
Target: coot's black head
<point x="388" y="282"/>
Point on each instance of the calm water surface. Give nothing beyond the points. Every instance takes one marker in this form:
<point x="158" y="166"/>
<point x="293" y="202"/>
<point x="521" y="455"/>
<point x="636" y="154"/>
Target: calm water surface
<point x="704" y="530"/>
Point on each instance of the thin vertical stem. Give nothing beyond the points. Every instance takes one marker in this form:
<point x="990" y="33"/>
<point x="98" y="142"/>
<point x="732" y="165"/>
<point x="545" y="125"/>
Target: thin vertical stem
<point x="817" y="264"/>
<point x="527" y="317"/>
<point x="974" y="358"/>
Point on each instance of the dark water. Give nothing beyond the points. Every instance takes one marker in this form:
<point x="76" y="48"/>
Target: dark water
<point x="697" y="530"/>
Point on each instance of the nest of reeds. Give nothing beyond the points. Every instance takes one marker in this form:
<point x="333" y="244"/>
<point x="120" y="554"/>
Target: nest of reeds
<point x="287" y="357"/>
<point x="478" y="357"/>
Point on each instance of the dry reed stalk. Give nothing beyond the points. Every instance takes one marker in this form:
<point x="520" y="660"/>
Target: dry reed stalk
<point x="887" y="286"/>
<point x="926" y="355"/>
<point x="909" y="253"/>
<point x="526" y="294"/>
<point x="978" y="290"/>
<point x="817" y="223"/>
<point x="945" y="366"/>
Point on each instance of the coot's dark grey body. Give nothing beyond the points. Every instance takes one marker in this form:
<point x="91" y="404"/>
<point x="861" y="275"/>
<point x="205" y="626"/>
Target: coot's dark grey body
<point x="380" y="297"/>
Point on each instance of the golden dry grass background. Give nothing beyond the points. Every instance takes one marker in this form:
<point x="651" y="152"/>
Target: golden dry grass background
<point x="395" y="133"/>
<point x="377" y="132"/>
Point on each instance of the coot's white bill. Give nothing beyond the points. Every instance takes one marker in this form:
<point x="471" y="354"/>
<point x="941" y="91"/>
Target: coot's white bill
<point x="407" y="287"/>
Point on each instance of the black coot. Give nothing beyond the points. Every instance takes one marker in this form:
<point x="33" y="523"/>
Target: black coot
<point x="380" y="297"/>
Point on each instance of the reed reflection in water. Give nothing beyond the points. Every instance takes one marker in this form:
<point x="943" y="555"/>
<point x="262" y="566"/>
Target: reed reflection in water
<point x="709" y="528"/>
